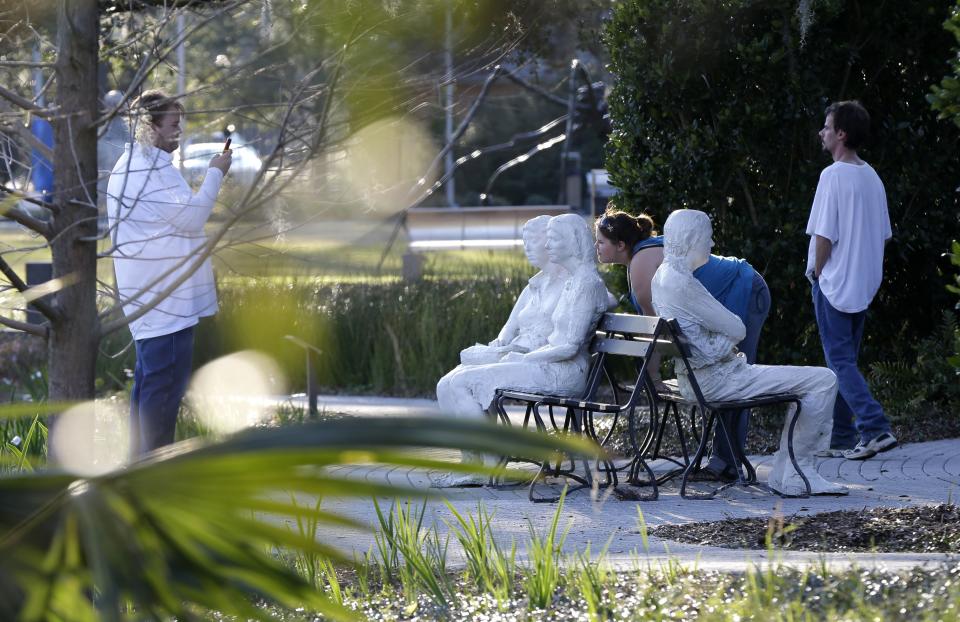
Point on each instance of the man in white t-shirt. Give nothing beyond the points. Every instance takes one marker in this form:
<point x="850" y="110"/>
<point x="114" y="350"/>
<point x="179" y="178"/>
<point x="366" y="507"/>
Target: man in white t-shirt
<point x="164" y="277"/>
<point x="848" y="228"/>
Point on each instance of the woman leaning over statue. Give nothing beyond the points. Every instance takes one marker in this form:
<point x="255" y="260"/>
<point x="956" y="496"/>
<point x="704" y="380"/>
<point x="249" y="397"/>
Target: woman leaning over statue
<point x="632" y="241"/>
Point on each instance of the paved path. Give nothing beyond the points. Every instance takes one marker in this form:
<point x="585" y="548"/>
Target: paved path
<point x="915" y="474"/>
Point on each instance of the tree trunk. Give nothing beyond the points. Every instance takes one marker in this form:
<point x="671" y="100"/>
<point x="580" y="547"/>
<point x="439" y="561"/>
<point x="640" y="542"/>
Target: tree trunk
<point x="75" y="334"/>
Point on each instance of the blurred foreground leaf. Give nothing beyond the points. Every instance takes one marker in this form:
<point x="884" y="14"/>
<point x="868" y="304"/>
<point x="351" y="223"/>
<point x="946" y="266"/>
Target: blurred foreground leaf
<point x="195" y="528"/>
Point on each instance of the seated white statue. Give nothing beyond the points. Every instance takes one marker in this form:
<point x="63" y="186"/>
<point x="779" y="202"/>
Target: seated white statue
<point x="547" y="349"/>
<point x="721" y="371"/>
<point x="529" y="323"/>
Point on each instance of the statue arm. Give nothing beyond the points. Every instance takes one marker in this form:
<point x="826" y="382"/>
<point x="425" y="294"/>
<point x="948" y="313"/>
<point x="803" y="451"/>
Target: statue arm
<point x="511" y="327"/>
<point x="574" y="320"/>
<point x="713" y="316"/>
<point x="682" y="295"/>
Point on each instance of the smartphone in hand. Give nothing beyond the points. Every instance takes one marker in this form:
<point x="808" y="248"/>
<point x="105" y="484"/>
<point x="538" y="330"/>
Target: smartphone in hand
<point x="226" y="145"/>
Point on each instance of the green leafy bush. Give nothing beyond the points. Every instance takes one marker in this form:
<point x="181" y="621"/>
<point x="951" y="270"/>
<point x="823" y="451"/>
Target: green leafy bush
<point x="909" y="386"/>
<point x="717" y="107"/>
<point x="945" y="97"/>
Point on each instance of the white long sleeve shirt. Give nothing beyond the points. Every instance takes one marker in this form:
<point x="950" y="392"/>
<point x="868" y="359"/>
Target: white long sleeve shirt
<point x="156" y="222"/>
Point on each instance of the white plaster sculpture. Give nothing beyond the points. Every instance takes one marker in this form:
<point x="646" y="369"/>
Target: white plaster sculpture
<point x="721" y="371"/>
<point x="529" y="323"/>
<point x="544" y="346"/>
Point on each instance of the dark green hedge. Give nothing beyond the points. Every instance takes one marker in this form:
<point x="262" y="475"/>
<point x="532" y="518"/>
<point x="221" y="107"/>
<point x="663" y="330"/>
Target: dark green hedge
<point x="717" y="107"/>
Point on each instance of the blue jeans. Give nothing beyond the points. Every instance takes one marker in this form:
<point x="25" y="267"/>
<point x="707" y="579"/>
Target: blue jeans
<point x="757" y="310"/>
<point x="159" y="382"/>
<point x="856" y="412"/>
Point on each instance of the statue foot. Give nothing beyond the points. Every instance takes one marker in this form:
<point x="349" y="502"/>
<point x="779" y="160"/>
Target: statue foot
<point x="820" y="486"/>
<point x="459" y="480"/>
<point x="792" y="485"/>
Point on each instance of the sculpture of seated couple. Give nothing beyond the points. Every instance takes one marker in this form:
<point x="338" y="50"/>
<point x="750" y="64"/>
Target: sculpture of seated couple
<point x="543" y="346"/>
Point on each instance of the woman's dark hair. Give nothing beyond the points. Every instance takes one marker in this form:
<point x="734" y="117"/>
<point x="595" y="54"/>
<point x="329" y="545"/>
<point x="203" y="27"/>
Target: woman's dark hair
<point x="619" y="226"/>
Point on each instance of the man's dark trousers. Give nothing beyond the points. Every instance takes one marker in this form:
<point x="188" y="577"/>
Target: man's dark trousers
<point x="856" y="412"/>
<point x="159" y="383"/>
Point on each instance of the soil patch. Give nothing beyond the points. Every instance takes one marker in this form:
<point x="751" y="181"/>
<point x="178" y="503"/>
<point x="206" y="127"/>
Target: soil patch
<point x="928" y="529"/>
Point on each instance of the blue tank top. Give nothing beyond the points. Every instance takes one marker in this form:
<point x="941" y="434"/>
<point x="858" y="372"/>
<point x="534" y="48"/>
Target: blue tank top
<point x="728" y="279"/>
<point x="651" y="242"/>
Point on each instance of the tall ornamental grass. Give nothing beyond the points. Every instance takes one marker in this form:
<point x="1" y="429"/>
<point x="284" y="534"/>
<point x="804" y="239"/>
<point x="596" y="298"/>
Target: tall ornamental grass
<point x="379" y="336"/>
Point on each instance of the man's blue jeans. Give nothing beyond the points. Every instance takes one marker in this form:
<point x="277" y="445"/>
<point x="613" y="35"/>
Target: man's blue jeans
<point x="757" y="310"/>
<point x="159" y="383"/>
<point x="855" y="412"/>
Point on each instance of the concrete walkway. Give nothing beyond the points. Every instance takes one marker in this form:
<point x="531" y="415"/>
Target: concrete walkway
<point x="915" y="474"/>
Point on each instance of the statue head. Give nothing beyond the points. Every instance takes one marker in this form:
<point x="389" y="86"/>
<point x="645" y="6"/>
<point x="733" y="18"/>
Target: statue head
<point x="569" y="238"/>
<point x="535" y="241"/>
<point x="687" y="239"/>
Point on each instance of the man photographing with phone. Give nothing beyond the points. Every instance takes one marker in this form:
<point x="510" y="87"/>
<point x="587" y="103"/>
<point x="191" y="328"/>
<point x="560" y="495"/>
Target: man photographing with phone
<point x="157" y="228"/>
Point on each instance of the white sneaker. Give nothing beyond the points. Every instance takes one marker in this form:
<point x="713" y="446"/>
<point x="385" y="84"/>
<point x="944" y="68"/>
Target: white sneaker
<point x="871" y="448"/>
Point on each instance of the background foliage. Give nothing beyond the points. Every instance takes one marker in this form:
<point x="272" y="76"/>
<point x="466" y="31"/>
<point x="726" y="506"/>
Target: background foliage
<point x="717" y="107"/>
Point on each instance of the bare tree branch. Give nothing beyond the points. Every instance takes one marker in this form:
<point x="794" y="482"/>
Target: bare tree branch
<point x="35" y="143"/>
<point x="16" y="214"/>
<point x="120" y="6"/>
<point x="250" y="200"/>
<point x="33" y="329"/>
<point x="24" y="63"/>
<point x="41" y="305"/>
<point x="25" y="104"/>
<point x="152" y="60"/>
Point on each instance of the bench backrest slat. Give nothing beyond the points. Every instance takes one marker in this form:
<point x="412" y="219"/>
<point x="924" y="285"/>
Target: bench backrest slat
<point x="631" y="347"/>
<point x="623" y="322"/>
<point x="620" y="346"/>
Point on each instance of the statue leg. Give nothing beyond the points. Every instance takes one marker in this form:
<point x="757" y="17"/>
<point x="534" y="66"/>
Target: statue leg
<point x="456" y="399"/>
<point x="817" y="388"/>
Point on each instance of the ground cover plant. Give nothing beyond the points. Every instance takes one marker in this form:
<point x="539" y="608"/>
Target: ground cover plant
<point x="552" y="586"/>
<point x="671" y="592"/>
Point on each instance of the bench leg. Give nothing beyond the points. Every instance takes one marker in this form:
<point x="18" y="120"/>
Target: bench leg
<point x="500" y="413"/>
<point x="708" y="417"/>
<point x="609" y="468"/>
<point x="638" y="463"/>
<point x="793" y="457"/>
<point x="574" y="422"/>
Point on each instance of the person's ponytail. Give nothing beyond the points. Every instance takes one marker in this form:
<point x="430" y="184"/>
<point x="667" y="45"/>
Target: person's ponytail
<point x="619" y="226"/>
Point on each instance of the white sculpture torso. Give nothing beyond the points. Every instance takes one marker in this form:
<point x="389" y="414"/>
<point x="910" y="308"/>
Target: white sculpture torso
<point x="529" y="324"/>
<point x="712" y="330"/>
<point x="721" y="373"/>
<point x="544" y="347"/>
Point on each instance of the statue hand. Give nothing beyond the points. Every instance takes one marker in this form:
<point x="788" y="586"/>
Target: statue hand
<point x="513" y="357"/>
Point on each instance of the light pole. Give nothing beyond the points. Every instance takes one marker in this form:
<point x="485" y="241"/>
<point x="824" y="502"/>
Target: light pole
<point x="448" y="165"/>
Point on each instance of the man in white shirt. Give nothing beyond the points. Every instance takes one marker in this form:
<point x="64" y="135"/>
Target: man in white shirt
<point x="164" y="277"/>
<point x="848" y="228"/>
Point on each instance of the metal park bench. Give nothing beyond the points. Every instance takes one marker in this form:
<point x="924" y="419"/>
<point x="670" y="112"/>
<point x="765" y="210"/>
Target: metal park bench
<point x="617" y="335"/>
<point x="638" y="337"/>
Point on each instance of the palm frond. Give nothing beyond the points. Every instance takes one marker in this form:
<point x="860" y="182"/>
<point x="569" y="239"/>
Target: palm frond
<point x="198" y="527"/>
